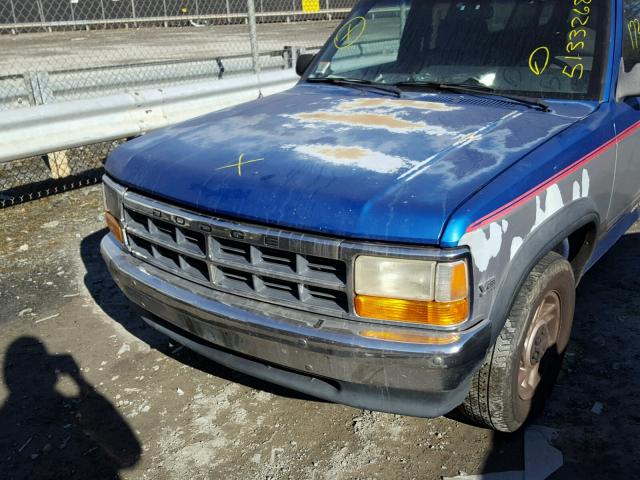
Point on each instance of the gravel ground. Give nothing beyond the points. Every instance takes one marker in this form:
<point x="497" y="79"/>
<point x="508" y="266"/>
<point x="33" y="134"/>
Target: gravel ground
<point x="89" y="391"/>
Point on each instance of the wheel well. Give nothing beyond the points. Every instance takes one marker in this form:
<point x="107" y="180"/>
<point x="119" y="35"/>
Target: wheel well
<point x="577" y="247"/>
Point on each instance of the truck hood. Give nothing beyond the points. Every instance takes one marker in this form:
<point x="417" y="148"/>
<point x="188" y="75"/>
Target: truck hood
<point x="339" y="161"/>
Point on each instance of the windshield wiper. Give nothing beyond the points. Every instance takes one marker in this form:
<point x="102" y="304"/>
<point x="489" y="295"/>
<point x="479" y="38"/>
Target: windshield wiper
<point x="358" y="83"/>
<point x="479" y="89"/>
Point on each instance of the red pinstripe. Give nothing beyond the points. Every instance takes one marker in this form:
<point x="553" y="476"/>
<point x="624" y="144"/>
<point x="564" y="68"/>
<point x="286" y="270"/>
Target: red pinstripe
<point x="517" y="202"/>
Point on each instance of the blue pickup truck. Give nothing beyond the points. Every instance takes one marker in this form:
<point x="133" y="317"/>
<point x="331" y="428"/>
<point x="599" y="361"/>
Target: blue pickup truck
<point x="404" y="229"/>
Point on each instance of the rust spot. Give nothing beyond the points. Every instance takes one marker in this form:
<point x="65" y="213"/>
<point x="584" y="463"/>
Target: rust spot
<point x="371" y="120"/>
<point x="395" y="104"/>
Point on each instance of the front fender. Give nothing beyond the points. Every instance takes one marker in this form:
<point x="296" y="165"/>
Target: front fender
<point x="536" y="245"/>
<point x="506" y="250"/>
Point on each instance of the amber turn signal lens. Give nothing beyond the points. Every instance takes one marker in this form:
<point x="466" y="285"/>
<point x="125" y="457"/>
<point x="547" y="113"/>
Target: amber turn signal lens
<point x="411" y="337"/>
<point x="444" y="314"/>
<point x="114" y="226"/>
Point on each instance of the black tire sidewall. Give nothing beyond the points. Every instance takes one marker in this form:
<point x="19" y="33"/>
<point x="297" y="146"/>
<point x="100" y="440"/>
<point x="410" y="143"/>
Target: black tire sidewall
<point x="508" y="411"/>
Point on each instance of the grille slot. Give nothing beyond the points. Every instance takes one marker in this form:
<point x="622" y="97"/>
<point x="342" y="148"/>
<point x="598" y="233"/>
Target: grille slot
<point x="278" y="267"/>
<point x="137" y="220"/>
<point x="192" y="241"/>
<point x="167" y="257"/>
<point x="195" y="268"/>
<point x="232" y="250"/>
<point x="164" y="230"/>
<point x="235" y="279"/>
<point x="140" y="245"/>
<point x="323" y="297"/>
<point x="278" y="259"/>
<point x="278" y="288"/>
<point x="327" y="268"/>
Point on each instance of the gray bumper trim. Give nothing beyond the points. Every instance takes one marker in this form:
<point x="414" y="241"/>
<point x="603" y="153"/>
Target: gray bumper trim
<point x="322" y="356"/>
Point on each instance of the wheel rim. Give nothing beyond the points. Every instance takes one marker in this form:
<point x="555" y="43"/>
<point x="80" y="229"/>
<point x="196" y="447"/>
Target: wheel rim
<point x="543" y="333"/>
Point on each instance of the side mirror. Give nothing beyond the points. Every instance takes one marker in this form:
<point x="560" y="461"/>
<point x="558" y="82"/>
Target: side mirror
<point x="303" y="63"/>
<point x="628" y="82"/>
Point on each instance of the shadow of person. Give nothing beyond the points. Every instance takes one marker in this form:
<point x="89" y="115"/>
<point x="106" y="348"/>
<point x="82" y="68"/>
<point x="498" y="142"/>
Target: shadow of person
<point x="54" y="424"/>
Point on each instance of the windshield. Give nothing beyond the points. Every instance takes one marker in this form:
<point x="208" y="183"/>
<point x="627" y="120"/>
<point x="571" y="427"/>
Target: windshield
<point x="534" y="48"/>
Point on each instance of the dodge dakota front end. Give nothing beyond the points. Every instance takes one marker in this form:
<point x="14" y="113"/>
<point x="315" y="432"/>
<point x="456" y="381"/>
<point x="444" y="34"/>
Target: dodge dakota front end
<point x="402" y="231"/>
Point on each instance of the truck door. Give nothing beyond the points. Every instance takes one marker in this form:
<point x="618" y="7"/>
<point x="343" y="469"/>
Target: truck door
<point x="626" y="190"/>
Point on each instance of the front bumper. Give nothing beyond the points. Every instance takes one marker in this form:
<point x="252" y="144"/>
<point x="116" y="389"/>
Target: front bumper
<point x="318" y="355"/>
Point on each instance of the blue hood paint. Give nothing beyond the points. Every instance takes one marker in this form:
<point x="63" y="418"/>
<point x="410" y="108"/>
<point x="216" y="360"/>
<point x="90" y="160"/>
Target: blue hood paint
<point x="339" y="161"/>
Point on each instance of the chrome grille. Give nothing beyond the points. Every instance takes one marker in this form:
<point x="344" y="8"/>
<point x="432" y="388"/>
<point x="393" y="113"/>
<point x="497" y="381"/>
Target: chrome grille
<point x="277" y="266"/>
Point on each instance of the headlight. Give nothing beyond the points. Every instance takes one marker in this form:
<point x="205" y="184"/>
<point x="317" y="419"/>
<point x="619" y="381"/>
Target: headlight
<point x="412" y="291"/>
<point x="112" y="194"/>
<point x="384" y="277"/>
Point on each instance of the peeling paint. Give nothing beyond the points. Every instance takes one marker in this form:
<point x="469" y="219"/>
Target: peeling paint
<point x="396" y="104"/>
<point x="516" y="243"/>
<point x="437" y="157"/>
<point x="493" y="250"/>
<point x="354" y="157"/>
<point x="484" y="248"/>
<point x="486" y="242"/>
<point x="581" y="189"/>
<point x="459" y="143"/>
<point x="553" y="203"/>
<point x="383" y="121"/>
<point x="379" y="113"/>
<point x="576" y="190"/>
<point x="585" y="183"/>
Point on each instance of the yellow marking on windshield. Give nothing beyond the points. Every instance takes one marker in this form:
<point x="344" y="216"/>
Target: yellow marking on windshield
<point x="634" y="32"/>
<point x="540" y="53"/>
<point x="350" y="32"/>
<point x="240" y="163"/>
<point x="576" y="44"/>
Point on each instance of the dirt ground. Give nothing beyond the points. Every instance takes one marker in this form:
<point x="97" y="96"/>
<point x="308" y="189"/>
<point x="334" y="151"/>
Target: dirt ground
<point x="89" y="391"/>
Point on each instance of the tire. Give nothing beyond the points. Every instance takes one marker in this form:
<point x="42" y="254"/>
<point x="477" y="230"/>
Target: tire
<point x="504" y="392"/>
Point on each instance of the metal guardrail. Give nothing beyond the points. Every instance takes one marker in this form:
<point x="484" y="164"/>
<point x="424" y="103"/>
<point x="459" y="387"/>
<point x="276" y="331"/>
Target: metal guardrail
<point x="241" y="16"/>
<point x="59" y="126"/>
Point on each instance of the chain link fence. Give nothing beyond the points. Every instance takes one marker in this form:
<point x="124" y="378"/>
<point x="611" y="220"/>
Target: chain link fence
<point x="64" y="50"/>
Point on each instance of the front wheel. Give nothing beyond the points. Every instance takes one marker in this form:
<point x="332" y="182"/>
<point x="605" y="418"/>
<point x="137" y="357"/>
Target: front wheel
<point x="522" y="366"/>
